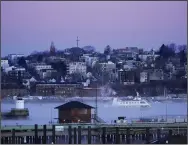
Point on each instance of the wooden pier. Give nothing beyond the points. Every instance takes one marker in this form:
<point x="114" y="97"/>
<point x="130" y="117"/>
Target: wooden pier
<point x="92" y="133"/>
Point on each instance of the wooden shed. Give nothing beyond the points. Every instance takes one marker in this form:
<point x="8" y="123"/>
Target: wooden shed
<point x="74" y="112"/>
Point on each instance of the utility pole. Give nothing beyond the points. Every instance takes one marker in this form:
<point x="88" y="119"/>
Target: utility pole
<point x="77" y="40"/>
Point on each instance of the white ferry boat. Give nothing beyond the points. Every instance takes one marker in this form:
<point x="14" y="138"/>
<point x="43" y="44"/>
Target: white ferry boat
<point x="135" y="102"/>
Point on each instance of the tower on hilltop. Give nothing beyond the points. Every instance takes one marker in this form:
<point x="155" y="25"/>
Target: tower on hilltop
<point x="77" y="40"/>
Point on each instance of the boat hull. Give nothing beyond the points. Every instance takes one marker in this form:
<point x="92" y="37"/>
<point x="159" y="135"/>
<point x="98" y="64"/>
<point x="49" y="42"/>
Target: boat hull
<point x="132" y="103"/>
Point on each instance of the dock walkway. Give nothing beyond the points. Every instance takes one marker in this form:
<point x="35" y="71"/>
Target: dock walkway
<point x="92" y="133"/>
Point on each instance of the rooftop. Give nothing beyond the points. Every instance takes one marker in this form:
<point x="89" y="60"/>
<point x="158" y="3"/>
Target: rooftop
<point x="74" y="104"/>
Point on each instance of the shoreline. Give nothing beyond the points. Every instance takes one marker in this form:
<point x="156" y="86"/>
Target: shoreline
<point x="44" y="99"/>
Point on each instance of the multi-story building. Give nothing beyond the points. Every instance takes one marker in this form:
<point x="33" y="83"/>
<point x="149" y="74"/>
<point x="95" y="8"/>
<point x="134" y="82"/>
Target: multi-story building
<point x="148" y="55"/>
<point x="48" y="73"/>
<point x="156" y="75"/>
<point x="77" y="67"/>
<point x="109" y="66"/>
<point x="127" y="52"/>
<point x="14" y="57"/>
<point x="18" y="73"/>
<point x="42" y="67"/>
<point x="32" y="65"/>
<point x="12" y="89"/>
<point x="89" y="60"/>
<point x="58" y="89"/>
<point x="126" y="77"/>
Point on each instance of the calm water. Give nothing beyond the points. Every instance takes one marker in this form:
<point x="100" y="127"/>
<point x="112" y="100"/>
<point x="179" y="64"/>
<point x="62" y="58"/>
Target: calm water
<point x="42" y="113"/>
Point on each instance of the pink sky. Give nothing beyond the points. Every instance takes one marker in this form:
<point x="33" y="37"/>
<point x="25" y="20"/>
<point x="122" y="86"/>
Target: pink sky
<point x="30" y="26"/>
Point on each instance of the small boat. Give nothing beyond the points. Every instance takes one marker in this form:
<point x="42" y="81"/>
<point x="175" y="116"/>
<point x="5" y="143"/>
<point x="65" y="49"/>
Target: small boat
<point x="135" y="102"/>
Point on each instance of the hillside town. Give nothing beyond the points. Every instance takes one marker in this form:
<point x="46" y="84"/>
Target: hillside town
<point x="82" y="71"/>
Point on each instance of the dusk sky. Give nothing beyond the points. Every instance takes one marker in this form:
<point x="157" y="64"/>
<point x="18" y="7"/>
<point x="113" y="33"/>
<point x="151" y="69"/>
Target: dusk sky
<point x="31" y="26"/>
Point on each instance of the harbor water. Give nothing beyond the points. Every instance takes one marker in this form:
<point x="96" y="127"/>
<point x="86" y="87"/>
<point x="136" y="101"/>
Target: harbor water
<point x="43" y="112"/>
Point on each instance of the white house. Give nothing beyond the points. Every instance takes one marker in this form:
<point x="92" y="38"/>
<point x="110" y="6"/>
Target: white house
<point x="89" y="59"/>
<point x="14" y="57"/>
<point x="77" y="67"/>
<point x="109" y="66"/>
<point x="41" y="67"/>
<point x="148" y="54"/>
<point x="143" y="76"/>
<point x="9" y="69"/>
<point x="4" y="63"/>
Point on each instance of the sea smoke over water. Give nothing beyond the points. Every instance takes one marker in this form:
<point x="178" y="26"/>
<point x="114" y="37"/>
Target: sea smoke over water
<point x="107" y="91"/>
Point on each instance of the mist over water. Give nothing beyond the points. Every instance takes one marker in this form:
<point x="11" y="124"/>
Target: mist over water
<point x="41" y="113"/>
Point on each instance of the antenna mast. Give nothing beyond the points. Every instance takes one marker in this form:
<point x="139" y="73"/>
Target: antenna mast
<point x="77" y="40"/>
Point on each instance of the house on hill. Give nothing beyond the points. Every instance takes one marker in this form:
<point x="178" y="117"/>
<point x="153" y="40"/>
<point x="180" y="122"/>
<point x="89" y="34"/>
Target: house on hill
<point x="74" y="112"/>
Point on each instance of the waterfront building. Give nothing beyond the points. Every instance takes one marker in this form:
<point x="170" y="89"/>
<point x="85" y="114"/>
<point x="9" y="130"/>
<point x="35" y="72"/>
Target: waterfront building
<point x="12" y="89"/>
<point x="58" y="89"/>
<point x="74" y="112"/>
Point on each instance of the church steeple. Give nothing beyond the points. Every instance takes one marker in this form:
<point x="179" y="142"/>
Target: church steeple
<point x="52" y="48"/>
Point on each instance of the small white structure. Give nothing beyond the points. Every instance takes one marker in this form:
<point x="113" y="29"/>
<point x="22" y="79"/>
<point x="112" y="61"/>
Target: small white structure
<point x="19" y="103"/>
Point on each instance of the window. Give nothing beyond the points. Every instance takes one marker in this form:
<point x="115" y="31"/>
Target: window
<point x="83" y="111"/>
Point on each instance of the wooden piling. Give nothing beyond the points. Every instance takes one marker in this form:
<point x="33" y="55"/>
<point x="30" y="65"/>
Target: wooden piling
<point x="75" y="136"/>
<point x="89" y="134"/>
<point x="169" y="136"/>
<point x="27" y="139"/>
<point x="117" y="136"/>
<point x="2" y="140"/>
<point x="36" y="134"/>
<point x="13" y="136"/>
<point x="147" y="135"/>
<point x="103" y="135"/>
<point x="79" y="135"/>
<point x="158" y="134"/>
<point x="53" y="134"/>
<point x="44" y="134"/>
<point x="70" y="134"/>
<point x="128" y="136"/>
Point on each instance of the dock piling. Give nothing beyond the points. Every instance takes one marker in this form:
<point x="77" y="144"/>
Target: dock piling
<point x="147" y="135"/>
<point x="13" y="136"/>
<point x="75" y="136"/>
<point x="79" y="135"/>
<point x="128" y="136"/>
<point x="158" y="134"/>
<point x="103" y="135"/>
<point x="117" y="136"/>
<point x="89" y="134"/>
<point x="36" y="134"/>
<point x="169" y="136"/>
<point x="53" y="134"/>
<point x="44" y="134"/>
<point x="70" y="134"/>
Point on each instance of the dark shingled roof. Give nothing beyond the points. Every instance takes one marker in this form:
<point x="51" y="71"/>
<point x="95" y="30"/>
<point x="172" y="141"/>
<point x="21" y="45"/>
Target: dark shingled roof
<point x="74" y="104"/>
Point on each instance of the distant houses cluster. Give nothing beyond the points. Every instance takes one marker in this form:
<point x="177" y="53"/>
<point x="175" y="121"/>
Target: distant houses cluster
<point x="66" y="73"/>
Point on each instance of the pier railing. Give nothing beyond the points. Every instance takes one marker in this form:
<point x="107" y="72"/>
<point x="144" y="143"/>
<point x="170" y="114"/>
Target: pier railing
<point x="81" y="134"/>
